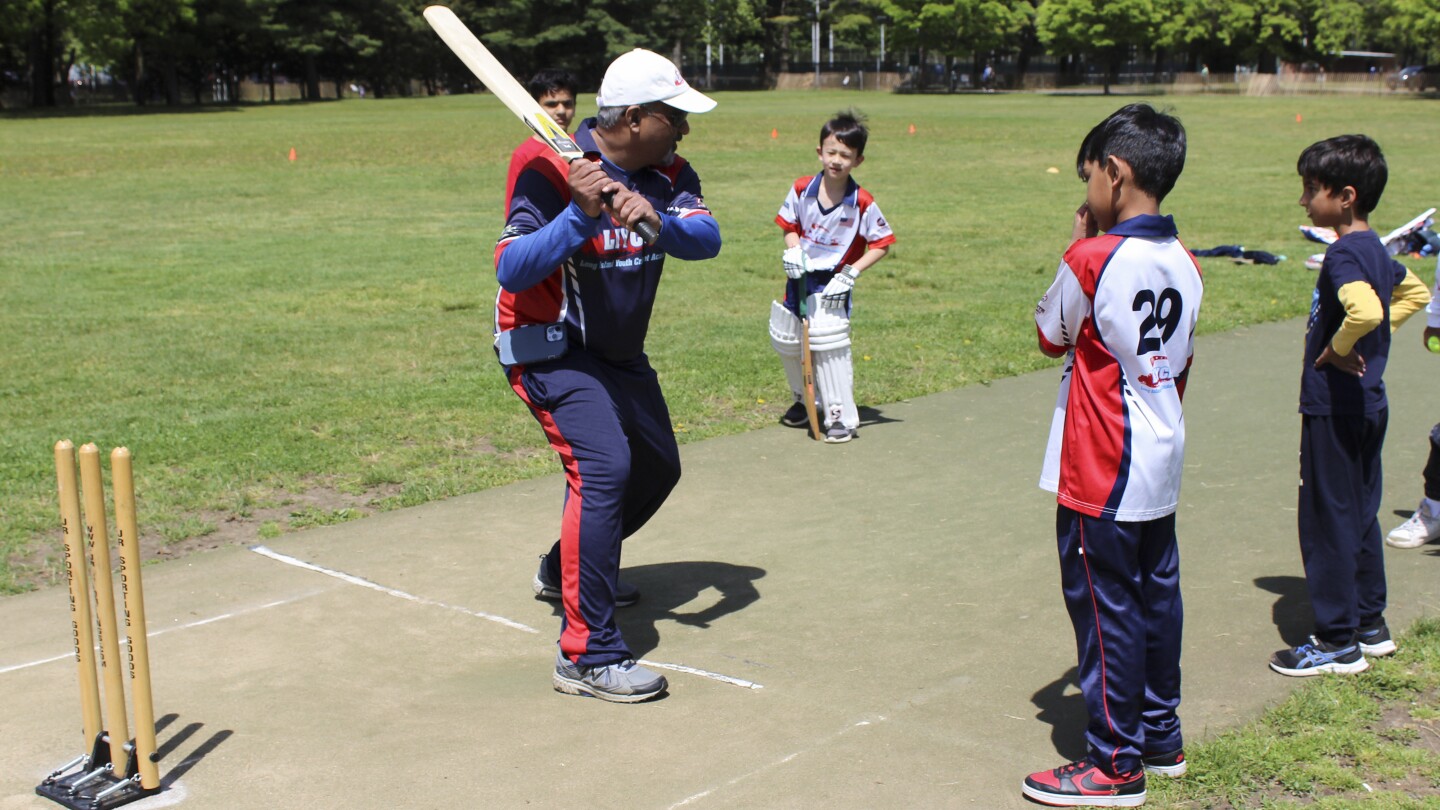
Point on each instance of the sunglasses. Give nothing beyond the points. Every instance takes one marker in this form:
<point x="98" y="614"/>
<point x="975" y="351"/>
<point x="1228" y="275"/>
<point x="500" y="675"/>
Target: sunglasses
<point x="676" y="118"/>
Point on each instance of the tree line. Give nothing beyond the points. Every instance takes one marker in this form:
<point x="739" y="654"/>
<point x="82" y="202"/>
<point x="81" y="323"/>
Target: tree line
<point x="174" y="50"/>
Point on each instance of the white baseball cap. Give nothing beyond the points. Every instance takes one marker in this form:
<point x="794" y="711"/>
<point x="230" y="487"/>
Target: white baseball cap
<point x="642" y="77"/>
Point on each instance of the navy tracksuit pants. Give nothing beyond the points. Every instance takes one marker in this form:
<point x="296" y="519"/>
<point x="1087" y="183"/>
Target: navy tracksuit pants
<point x="1432" y="466"/>
<point x="609" y="424"/>
<point x="1339" y="504"/>
<point x="1122" y="589"/>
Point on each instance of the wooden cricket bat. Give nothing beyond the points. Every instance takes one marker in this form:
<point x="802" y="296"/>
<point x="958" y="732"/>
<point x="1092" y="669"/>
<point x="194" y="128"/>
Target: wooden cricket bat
<point x="807" y="372"/>
<point x="510" y="92"/>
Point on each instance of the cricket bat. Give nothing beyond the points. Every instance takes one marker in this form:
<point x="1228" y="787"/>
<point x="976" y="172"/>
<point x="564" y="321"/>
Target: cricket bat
<point x="807" y="372"/>
<point x="510" y="92"/>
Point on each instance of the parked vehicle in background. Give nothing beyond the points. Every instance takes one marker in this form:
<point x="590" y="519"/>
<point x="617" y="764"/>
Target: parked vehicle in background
<point x="1415" y="77"/>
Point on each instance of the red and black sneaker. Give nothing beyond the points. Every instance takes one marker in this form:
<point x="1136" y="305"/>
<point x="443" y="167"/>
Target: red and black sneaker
<point x="1171" y="764"/>
<point x="1083" y="784"/>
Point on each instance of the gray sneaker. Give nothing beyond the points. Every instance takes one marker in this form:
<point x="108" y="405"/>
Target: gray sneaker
<point x="838" y="433"/>
<point x="1421" y="528"/>
<point x="547" y="588"/>
<point x="623" y="682"/>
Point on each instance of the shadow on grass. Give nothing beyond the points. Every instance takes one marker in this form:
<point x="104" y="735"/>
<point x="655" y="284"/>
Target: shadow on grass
<point x="1291" y="613"/>
<point x="665" y="588"/>
<point x="1065" y="714"/>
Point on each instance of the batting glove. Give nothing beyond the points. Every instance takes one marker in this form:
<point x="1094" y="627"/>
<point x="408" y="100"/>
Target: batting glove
<point x="835" y="293"/>
<point x="795" y="261"/>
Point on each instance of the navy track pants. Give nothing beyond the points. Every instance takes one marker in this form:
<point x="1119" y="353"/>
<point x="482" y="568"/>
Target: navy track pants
<point x="1339" y="504"/>
<point x="1122" y="589"/>
<point x="609" y="424"/>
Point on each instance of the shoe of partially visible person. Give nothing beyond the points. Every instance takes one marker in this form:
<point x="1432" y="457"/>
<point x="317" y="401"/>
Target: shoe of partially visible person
<point x="1421" y="528"/>
<point x="1170" y="764"/>
<point x="547" y="588"/>
<point x="1315" y="657"/>
<point x="621" y="682"/>
<point x="1083" y="784"/>
<point x="797" y="416"/>
<point x="1376" y="641"/>
<point x="838" y="433"/>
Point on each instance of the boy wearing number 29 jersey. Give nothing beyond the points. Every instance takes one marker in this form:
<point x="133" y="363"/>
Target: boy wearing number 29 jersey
<point x="1125" y="301"/>
<point x="1122" y="311"/>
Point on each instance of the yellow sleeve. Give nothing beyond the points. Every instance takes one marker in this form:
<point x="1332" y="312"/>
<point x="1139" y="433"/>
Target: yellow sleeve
<point x="1409" y="297"/>
<point x="1363" y="312"/>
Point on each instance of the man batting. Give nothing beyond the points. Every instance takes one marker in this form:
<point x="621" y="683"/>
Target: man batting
<point x="577" y="288"/>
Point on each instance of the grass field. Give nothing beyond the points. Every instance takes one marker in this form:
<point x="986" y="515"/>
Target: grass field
<point x="1336" y="743"/>
<point x="284" y="344"/>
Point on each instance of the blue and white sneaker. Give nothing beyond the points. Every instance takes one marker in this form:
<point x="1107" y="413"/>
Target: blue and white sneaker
<point x="1315" y="657"/>
<point x="1376" y="641"/>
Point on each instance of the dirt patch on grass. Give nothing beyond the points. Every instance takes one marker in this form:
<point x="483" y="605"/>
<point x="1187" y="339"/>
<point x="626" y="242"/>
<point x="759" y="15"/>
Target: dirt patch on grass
<point x="317" y="505"/>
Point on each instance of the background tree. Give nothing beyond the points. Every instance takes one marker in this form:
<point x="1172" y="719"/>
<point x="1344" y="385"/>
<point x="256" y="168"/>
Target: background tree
<point x="1412" y="27"/>
<point x="1279" y="33"/>
<point x="1333" y="26"/>
<point x="1104" y="30"/>
<point x="36" y="42"/>
<point x="989" y="26"/>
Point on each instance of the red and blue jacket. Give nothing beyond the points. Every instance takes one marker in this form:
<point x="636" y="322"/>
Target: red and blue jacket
<point x="554" y="263"/>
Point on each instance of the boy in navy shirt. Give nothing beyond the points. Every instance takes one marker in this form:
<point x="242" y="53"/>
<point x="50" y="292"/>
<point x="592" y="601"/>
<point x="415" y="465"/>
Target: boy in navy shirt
<point x="1361" y="296"/>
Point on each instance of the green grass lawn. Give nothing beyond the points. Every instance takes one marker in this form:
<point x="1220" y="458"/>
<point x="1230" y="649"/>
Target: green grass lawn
<point x="1368" y="741"/>
<point x="285" y="343"/>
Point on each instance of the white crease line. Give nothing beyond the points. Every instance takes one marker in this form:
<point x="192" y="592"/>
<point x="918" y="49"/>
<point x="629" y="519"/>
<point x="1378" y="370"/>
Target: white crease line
<point x="198" y="623"/>
<point x="777" y="763"/>
<point x="365" y="583"/>
<point x="714" y="676"/>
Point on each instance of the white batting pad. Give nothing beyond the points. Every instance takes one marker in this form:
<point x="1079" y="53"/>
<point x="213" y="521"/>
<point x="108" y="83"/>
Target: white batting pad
<point x="835" y="378"/>
<point x="829" y="330"/>
<point x="785" y="337"/>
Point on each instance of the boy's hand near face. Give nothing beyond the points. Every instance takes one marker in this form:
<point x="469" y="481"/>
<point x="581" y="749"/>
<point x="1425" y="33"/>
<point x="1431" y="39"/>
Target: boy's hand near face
<point x="1085" y="225"/>
<point x="1351" y="363"/>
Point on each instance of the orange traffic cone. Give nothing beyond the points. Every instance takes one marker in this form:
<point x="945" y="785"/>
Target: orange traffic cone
<point x="774" y="133"/>
<point x="912" y="129"/>
<point x="1297" y="118"/>
<point x="292" y="153"/>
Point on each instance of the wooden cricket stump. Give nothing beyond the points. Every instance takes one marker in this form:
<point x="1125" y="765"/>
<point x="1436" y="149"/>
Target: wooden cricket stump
<point x="112" y="769"/>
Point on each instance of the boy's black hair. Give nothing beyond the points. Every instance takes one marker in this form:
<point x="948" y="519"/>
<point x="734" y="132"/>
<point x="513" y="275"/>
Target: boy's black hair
<point x="552" y="80"/>
<point x="848" y="127"/>
<point x="1347" y="160"/>
<point x="1152" y="142"/>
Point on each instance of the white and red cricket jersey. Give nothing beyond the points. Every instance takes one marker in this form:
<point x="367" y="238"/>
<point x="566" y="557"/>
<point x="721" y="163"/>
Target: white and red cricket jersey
<point x="837" y="236"/>
<point x="1125" y="305"/>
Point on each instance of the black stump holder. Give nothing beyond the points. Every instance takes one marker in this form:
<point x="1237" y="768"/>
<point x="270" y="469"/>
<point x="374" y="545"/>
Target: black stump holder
<point x="93" y="785"/>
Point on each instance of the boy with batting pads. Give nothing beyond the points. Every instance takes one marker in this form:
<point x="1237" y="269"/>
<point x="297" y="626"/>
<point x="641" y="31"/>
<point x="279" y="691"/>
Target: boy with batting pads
<point x="1122" y="311"/>
<point x="1361" y="296"/>
<point x="577" y="285"/>
<point x="833" y="231"/>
